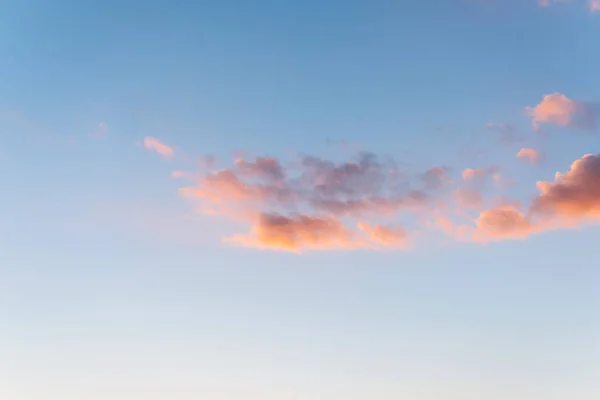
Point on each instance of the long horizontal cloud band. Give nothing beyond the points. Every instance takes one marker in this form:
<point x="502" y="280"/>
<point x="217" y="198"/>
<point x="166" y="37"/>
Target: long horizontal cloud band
<point x="365" y="204"/>
<point x="310" y="203"/>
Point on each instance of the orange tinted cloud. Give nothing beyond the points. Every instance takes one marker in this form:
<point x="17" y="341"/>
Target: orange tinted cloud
<point x="503" y="223"/>
<point x="224" y="186"/>
<point x="574" y="194"/>
<point x="385" y="236"/>
<point x="298" y="233"/>
<point x="558" y="109"/>
<point x="153" y="144"/>
<point x="532" y="155"/>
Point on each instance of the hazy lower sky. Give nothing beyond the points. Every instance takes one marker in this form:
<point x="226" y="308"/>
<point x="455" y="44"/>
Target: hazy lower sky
<point x="299" y="200"/>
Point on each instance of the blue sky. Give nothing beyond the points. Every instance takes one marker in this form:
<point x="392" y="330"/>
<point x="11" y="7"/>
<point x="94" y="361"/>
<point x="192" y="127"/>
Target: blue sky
<point x="115" y="286"/>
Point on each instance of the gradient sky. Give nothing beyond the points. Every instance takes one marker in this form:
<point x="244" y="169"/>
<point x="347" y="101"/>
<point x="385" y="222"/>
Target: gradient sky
<point x="114" y="285"/>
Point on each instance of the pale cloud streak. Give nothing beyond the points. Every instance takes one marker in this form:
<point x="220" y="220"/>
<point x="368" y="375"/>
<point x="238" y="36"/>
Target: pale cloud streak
<point x="593" y="5"/>
<point x="154" y="144"/>
<point x="547" y="3"/>
<point x="387" y="237"/>
<point x="531" y="155"/>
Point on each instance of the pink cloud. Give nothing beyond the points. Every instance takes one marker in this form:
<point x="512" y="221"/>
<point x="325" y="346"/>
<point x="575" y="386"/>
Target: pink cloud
<point x="153" y="144"/>
<point x="503" y="223"/>
<point x="531" y="155"/>
<point x="396" y="237"/>
<point x="224" y="186"/>
<point x="558" y="109"/>
<point x="594" y="5"/>
<point x="298" y="233"/>
<point x="574" y="194"/>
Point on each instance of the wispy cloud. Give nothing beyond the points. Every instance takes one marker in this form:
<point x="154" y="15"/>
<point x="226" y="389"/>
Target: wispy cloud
<point x="153" y="144"/>
<point x="468" y="198"/>
<point x="546" y="3"/>
<point x="480" y="176"/>
<point x="387" y="237"/>
<point x="593" y="5"/>
<point x="507" y="134"/>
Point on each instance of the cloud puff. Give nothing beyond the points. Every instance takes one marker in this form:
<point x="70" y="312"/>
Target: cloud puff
<point x="531" y="155"/>
<point x="594" y="5"/>
<point x="298" y="233"/>
<point x="503" y="223"/>
<point x="153" y="144"/>
<point x="396" y="237"/>
<point x="571" y="199"/>
<point x="558" y="109"/>
<point x="574" y="194"/>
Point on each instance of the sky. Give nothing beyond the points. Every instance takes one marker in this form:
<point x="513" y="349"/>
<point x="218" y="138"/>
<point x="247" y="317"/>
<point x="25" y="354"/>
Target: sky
<point x="299" y="200"/>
